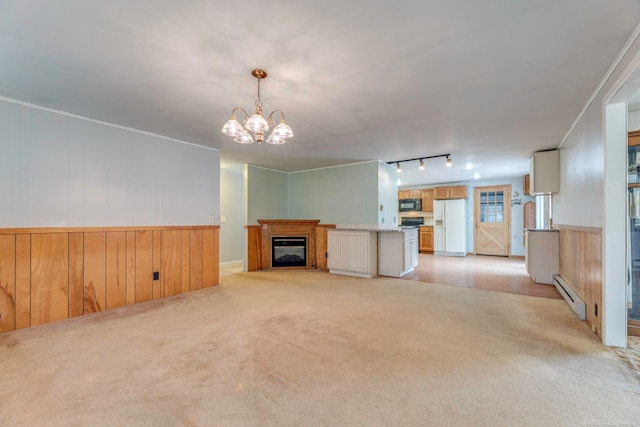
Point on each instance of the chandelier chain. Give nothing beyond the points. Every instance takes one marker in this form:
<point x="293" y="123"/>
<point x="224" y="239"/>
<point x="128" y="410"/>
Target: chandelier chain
<point x="259" y="101"/>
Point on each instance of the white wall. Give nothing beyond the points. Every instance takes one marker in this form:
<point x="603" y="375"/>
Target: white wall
<point x="582" y="200"/>
<point x="387" y="194"/>
<point x="633" y="120"/>
<point x="232" y="208"/>
<point x="62" y="170"/>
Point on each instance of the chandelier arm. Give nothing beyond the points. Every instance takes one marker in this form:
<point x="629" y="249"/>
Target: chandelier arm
<point x="270" y="119"/>
<point x="241" y="109"/>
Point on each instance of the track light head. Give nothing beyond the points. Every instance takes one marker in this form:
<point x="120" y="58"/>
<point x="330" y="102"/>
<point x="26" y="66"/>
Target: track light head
<point x="421" y="167"/>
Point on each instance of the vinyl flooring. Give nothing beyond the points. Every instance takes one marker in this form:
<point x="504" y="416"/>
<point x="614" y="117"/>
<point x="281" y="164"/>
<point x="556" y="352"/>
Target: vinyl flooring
<point x="494" y="273"/>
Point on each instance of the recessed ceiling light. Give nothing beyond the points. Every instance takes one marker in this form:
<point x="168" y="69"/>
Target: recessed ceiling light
<point x="399" y="182"/>
<point x="468" y="166"/>
<point x="476" y="175"/>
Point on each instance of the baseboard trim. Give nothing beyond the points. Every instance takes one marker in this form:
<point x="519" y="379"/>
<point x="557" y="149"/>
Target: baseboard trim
<point x="232" y="263"/>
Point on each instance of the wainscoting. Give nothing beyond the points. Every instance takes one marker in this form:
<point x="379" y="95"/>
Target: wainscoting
<point x="50" y="274"/>
<point x="581" y="268"/>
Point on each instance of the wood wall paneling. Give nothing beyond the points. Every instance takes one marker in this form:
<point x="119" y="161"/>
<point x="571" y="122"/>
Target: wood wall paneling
<point x="23" y="281"/>
<point x="116" y="277"/>
<point x="95" y="268"/>
<point x="131" y="267"/>
<point x="185" y="260"/>
<point x="208" y="261"/>
<point x="254" y="247"/>
<point x="581" y="268"/>
<point x="171" y="263"/>
<point x="156" y="260"/>
<point x="76" y="274"/>
<point x="144" y="266"/>
<point x="195" y="259"/>
<point x="321" y="245"/>
<point x="49" y="277"/>
<point x="216" y="257"/>
<point x="7" y="283"/>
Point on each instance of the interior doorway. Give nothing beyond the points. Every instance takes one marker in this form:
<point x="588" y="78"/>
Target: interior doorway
<point x="492" y="228"/>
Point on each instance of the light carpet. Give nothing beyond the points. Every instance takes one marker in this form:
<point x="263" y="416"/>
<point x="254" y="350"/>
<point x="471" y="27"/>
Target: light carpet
<point x="312" y="349"/>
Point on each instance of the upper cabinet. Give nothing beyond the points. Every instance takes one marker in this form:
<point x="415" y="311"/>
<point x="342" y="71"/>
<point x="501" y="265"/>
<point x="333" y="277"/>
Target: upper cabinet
<point x="544" y="173"/>
<point x="453" y="192"/>
<point x="409" y="194"/>
<point x="427" y="199"/>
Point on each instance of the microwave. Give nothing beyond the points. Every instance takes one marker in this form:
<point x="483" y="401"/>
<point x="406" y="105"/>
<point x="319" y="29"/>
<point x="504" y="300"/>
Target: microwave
<point x="405" y="205"/>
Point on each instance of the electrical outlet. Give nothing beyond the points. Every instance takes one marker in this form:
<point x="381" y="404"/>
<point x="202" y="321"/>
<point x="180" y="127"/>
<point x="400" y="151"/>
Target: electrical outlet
<point x="211" y="219"/>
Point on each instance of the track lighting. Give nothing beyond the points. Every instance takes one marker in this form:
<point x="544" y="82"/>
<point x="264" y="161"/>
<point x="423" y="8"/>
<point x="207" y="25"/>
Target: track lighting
<point x="449" y="161"/>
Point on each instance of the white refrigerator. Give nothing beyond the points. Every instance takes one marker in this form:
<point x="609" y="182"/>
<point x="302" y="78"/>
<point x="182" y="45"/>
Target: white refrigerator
<point x="449" y="227"/>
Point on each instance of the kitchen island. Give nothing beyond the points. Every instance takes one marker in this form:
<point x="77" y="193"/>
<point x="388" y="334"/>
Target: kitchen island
<point x="366" y="251"/>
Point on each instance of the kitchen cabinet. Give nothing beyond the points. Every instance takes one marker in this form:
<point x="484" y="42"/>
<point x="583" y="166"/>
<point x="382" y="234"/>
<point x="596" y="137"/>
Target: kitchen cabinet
<point x="544" y="173"/>
<point x="452" y="192"/>
<point x="397" y="252"/>
<point x="542" y="255"/>
<point x="427" y="199"/>
<point x="426" y="239"/>
<point x="352" y="252"/>
<point x="526" y="186"/>
<point x="409" y="194"/>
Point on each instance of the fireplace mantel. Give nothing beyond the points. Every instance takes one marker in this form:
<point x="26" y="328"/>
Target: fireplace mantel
<point x="288" y="227"/>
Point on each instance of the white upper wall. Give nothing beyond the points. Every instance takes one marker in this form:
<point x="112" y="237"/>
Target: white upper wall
<point x="60" y="170"/>
<point x="580" y="201"/>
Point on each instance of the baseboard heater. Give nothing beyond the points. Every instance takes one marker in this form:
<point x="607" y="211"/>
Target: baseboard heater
<point x="570" y="297"/>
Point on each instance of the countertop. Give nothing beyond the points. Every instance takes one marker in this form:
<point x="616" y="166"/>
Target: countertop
<point x="373" y="227"/>
<point x="541" y="230"/>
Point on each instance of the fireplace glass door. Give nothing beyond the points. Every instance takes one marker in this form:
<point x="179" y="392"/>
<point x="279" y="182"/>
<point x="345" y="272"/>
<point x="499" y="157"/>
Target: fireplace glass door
<point x="289" y="251"/>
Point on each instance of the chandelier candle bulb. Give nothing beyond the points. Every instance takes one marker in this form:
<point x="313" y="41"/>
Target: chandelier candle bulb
<point x="257" y="123"/>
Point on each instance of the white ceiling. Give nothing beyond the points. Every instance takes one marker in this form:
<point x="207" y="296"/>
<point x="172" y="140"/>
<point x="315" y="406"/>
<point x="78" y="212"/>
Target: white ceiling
<point x="488" y="81"/>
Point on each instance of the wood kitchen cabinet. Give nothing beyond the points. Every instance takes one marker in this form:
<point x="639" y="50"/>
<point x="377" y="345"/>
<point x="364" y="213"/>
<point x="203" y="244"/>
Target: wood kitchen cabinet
<point x="427" y="199"/>
<point x="526" y="187"/>
<point x="426" y="239"/>
<point x="409" y="194"/>
<point x="452" y="192"/>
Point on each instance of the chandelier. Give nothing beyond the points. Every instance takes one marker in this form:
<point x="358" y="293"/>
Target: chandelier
<point x="257" y="123"/>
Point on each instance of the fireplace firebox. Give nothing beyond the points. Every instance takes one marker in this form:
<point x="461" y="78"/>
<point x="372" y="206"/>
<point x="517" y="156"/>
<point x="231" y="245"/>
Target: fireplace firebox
<point x="288" y="251"/>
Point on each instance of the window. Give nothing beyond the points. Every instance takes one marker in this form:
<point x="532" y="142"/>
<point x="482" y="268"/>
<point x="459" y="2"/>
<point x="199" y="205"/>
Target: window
<point x="491" y="206"/>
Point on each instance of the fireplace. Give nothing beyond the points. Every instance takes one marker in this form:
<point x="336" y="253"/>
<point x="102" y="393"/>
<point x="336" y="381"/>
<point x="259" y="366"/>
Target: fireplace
<point x="288" y="251"/>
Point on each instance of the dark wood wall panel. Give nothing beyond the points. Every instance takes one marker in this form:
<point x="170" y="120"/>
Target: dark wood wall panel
<point x="157" y="239"/>
<point x="76" y="274"/>
<point x="195" y="259"/>
<point x="171" y="263"/>
<point x="185" y="260"/>
<point x="23" y="281"/>
<point x="116" y="272"/>
<point x="254" y="247"/>
<point x="7" y="283"/>
<point x="131" y="267"/>
<point x="49" y="277"/>
<point x="95" y="270"/>
<point x="144" y="266"/>
<point x="208" y="268"/>
<point x="53" y="274"/>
